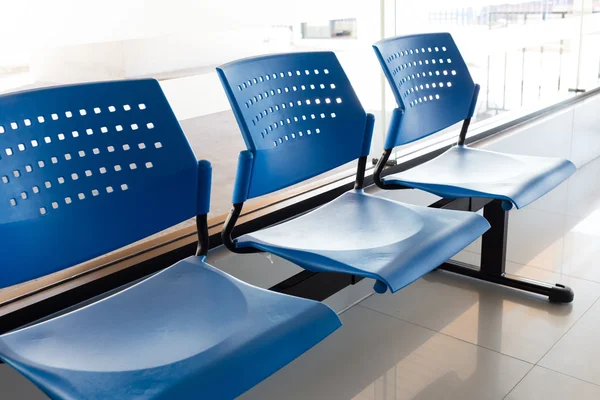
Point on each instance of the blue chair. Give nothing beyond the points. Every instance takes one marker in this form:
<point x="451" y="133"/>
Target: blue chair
<point x="434" y="90"/>
<point x="300" y="117"/>
<point x="87" y="169"/>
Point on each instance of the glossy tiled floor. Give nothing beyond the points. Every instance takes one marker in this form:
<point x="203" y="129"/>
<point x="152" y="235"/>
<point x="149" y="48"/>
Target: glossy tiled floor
<point x="449" y="337"/>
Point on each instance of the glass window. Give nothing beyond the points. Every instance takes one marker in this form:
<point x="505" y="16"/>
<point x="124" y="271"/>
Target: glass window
<point x="520" y="52"/>
<point x="589" y="58"/>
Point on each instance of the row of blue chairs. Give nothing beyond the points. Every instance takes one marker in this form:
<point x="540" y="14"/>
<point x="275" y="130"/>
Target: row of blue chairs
<point x="90" y="168"/>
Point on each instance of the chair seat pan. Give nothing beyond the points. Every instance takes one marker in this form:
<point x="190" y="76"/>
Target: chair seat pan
<point x="188" y="332"/>
<point x="370" y="236"/>
<point x="469" y="172"/>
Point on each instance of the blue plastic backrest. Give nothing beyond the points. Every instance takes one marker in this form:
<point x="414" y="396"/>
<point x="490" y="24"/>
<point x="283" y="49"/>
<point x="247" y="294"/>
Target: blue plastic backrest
<point x="86" y="169"/>
<point x="299" y="117"/>
<point x="431" y="84"/>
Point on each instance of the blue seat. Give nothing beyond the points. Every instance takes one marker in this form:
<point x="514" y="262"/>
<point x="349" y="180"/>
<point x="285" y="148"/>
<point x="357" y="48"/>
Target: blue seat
<point x="370" y="236"/>
<point x="189" y="332"/>
<point x="102" y="165"/>
<point x="434" y="90"/>
<point x="300" y="117"/>
<point x="468" y="172"/>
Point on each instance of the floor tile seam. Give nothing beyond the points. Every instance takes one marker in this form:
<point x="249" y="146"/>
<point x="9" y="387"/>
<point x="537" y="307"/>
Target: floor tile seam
<point x="570" y="376"/>
<point x="567" y="331"/>
<point x="447" y="335"/>
<point x="519" y="382"/>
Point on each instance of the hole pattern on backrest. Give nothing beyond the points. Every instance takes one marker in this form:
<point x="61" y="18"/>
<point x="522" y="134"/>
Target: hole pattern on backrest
<point x="275" y="105"/>
<point x="81" y="153"/>
<point x="58" y="164"/>
<point x="67" y="156"/>
<point x="422" y="80"/>
<point x="429" y="78"/>
<point x="295" y="106"/>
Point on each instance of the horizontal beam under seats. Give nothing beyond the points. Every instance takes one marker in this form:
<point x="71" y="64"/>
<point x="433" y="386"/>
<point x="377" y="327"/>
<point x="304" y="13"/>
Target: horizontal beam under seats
<point x="90" y="168"/>
<point x="434" y="90"/>
<point x="299" y="117"/>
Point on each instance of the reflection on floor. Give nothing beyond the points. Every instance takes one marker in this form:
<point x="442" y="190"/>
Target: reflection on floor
<point x="449" y="337"/>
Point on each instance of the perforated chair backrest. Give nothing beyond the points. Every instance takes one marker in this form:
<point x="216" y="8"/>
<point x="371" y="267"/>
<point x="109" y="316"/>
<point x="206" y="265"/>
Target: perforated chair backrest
<point x="430" y="82"/>
<point x="86" y="169"/>
<point x="299" y="117"/>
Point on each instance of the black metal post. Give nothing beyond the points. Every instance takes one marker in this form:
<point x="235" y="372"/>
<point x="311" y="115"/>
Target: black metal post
<point x="226" y="234"/>
<point x="377" y="175"/>
<point x="203" y="237"/>
<point x="493" y="242"/>
<point x="360" y="173"/>
<point x="463" y="131"/>
<point x="493" y="260"/>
